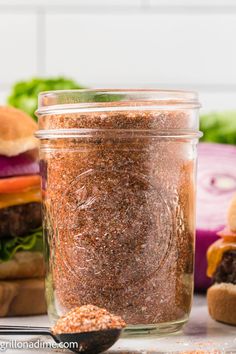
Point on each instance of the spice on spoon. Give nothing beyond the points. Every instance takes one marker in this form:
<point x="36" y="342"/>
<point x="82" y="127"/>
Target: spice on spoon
<point x="87" y="318"/>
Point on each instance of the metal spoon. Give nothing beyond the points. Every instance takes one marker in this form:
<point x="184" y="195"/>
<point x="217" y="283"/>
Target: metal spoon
<point x="85" y="342"/>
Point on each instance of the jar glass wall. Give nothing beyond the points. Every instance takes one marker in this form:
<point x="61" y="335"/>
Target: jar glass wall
<point x="118" y="183"/>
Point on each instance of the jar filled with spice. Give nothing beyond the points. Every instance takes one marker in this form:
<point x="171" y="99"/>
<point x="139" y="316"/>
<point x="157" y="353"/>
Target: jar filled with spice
<point x="118" y="174"/>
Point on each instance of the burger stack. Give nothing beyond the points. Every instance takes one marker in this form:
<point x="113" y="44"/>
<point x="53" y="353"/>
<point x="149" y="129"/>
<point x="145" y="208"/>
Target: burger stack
<point x="221" y="256"/>
<point x="22" y="267"/>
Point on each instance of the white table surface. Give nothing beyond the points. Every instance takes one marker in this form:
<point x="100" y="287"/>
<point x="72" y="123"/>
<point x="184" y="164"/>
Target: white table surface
<point x="201" y="334"/>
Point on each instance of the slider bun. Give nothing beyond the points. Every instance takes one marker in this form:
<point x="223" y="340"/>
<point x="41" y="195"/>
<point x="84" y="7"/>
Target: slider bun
<point x="22" y="297"/>
<point x="16" y="132"/>
<point x="221" y="300"/>
<point x="23" y="265"/>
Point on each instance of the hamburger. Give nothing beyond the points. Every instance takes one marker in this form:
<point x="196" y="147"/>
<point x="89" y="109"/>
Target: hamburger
<point x="22" y="267"/>
<point x="221" y="256"/>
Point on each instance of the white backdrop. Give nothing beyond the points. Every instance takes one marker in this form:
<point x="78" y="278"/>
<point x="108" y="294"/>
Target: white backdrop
<point x="188" y="44"/>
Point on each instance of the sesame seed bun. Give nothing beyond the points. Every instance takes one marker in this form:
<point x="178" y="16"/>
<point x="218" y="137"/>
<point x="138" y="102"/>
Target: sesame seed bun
<point x="221" y="300"/>
<point x="16" y="132"/>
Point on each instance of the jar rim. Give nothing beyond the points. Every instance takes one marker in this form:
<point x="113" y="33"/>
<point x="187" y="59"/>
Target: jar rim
<point x="86" y="100"/>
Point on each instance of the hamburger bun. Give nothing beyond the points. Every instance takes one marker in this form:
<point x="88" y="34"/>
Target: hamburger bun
<point x="221" y="300"/>
<point x="17" y="132"/>
<point x="22" y="297"/>
<point x="24" y="264"/>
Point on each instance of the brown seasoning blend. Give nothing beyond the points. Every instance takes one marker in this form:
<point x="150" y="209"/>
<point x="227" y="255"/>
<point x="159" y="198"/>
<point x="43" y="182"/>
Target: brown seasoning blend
<point x="119" y="214"/>
<point x="87" y="318"/>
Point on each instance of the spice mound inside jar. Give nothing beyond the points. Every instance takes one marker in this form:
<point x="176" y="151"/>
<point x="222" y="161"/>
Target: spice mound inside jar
<point x="119" y="214"/>
<point x="87" y="318"/>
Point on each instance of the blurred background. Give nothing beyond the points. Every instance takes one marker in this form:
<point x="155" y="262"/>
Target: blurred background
<point x="168" y="44"/>
<point x="186" y="44"/>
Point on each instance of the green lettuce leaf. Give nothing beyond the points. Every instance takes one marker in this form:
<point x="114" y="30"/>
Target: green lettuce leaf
<point x="24" y="94"/>
<point x="32" y="242"/>
<point x="219" y="127"/>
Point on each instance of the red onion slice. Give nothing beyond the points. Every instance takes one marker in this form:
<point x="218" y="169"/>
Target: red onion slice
<point x="20" y="165"/>
<point x="226" y="233"/>
<point x="216" y="183"/>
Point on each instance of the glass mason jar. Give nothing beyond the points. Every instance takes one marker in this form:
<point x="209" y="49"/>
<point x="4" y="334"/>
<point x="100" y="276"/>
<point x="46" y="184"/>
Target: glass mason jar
<point x="118" y="174"/>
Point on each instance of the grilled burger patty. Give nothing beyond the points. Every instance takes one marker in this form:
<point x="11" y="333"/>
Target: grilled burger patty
<point x="226" y="271"/>
<point x="19" y="220"/>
